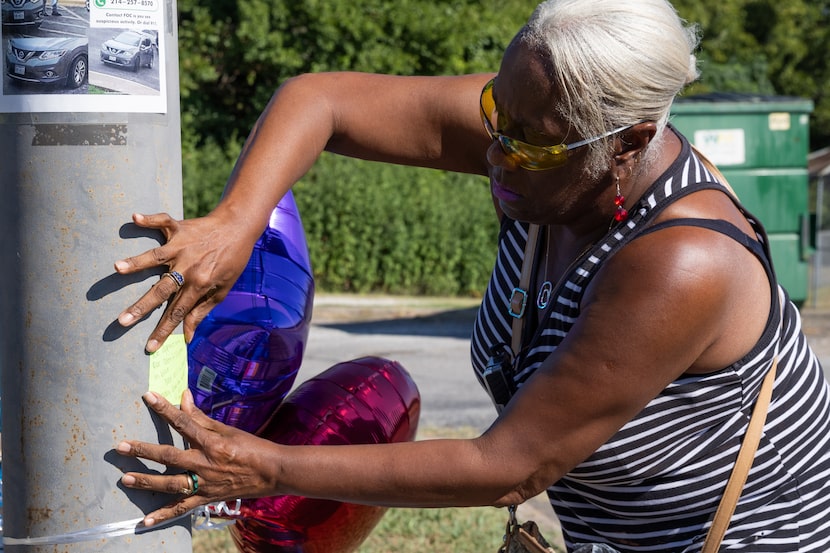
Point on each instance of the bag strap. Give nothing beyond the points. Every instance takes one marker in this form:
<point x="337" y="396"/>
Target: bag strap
<point x="518" y="299"/>
<point x="740" y="471"/>
<point x="712" y="168"/>
<point x="746" y="455"/>
<point x="518" y="304"/>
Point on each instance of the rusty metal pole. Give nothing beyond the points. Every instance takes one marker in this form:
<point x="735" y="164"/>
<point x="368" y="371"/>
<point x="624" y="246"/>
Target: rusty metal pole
<point x="71" y="376"/>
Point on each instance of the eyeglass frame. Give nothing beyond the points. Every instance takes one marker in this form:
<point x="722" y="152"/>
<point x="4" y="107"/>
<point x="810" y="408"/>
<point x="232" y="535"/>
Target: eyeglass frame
<point x="520" y="155"/>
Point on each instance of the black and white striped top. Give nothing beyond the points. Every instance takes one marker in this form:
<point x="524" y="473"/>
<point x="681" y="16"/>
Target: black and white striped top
<point x="656" y="484"/>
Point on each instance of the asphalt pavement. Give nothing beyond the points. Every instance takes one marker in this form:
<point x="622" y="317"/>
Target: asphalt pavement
<point x="430" y="337"/>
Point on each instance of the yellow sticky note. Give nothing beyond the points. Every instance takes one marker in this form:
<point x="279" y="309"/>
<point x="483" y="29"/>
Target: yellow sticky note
<point x="168" y="369"/>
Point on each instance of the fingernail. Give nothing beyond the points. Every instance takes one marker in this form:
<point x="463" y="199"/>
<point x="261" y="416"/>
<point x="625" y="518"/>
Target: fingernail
<point x="152" y="346"/>
<point x="128" y="480"/>
<point x="149" y="521"/>
<point x="121" y="266"/>
<point x="151" y="398"/>
<point x="123" y="447"/>
<point x="125" y="318"/>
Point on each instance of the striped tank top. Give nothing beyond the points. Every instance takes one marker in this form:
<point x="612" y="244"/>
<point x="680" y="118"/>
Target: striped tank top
<point x="655" y="485"/>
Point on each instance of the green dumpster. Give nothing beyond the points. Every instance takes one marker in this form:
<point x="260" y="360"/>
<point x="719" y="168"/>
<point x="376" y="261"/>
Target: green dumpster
<point x="760" y="143"/>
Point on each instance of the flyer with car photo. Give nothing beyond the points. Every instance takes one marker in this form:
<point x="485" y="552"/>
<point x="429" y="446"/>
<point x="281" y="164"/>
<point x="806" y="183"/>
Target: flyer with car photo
<point x="83" y="56"/>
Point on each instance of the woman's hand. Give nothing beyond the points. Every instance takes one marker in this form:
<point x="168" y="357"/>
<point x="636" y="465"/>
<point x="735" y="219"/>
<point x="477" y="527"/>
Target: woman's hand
<point x="209" y="253"/>
<point x="224" y="460"/>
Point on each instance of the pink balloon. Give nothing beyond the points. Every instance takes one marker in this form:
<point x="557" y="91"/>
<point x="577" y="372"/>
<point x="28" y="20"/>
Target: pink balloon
<point x="365" y="401"/>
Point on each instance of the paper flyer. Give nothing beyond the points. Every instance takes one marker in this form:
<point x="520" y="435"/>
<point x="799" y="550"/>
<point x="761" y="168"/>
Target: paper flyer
<point x="168" y="369"/>
<point x="83" y="56"/>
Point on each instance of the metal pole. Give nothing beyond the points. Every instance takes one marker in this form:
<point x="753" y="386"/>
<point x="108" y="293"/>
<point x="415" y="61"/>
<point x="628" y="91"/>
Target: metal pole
<point x="71" y="376"/>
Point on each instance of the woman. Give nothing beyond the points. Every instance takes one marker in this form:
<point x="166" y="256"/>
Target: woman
<point x="652" y="314"/>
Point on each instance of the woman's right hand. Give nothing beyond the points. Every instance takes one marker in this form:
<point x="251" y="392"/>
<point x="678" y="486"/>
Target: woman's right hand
<point x="208" y="252"/>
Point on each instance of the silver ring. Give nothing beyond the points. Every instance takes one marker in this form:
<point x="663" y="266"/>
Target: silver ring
<point x="177" y="277"/>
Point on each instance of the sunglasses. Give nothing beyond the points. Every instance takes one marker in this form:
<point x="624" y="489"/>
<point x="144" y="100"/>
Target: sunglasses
<point x="529" y="156"/>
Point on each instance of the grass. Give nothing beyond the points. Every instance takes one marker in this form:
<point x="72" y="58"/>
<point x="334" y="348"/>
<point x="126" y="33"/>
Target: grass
<point x="459" y="530"/>
<point x="468" y="530"/>
<point x="213" y="541"/>
<point x="92" y="89"/>
<point x="471" y="530"/>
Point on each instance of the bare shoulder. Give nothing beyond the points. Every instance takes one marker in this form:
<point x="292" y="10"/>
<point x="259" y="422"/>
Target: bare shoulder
<point x="680" y="300"/>
<point x="690" y="285"/>
<point x="677" y="301"/>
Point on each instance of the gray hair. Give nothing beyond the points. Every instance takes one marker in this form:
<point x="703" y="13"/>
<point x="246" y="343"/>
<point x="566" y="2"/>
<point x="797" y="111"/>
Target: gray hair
<point x="613" y="62"/>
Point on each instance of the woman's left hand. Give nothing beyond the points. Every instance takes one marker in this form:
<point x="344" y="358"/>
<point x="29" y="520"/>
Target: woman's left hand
<point x="225" y="461"/>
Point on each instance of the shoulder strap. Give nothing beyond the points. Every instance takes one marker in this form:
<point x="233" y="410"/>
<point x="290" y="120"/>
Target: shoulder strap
<point x="716" y="225"/>
<point x="712" y="168"/>
<point x="749" y="446"/>
<point x="518" y="299"/>
<point x="746" y="455"/>
<point x="740" y="471"/>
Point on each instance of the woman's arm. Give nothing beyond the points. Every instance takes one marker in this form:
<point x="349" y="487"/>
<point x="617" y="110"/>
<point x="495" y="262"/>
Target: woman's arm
<point x="424" y="121"/>
<point x="665" y="305"/>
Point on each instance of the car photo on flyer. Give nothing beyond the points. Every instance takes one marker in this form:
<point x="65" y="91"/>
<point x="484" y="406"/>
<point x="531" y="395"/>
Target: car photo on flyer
<point x="82" y="55"/>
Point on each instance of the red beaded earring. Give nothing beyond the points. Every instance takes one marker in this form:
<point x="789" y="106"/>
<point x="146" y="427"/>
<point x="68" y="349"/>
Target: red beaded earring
<point x="619" y="200"/>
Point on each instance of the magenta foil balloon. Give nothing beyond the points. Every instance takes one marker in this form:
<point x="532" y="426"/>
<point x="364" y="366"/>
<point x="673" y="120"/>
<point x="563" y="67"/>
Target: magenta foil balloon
<point x="365" y="401"/>
<point x="245" y="354"/>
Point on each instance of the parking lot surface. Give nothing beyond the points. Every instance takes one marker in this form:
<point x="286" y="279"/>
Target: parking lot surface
<point x="430" y="338"/>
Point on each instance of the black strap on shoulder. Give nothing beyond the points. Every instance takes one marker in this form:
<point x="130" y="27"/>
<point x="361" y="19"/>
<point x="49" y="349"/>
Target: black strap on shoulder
<point x="723" y="227"/>
<point x="717" y="225"/>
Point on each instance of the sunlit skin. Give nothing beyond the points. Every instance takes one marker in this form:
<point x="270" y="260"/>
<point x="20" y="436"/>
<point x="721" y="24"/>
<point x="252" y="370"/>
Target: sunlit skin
<point x="632" y="339"/>
<point x="575" y="207"/>
<point x="558" y="196"/>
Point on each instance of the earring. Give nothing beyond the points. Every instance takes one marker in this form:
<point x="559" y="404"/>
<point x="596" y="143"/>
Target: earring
<point x="619" y="200"/>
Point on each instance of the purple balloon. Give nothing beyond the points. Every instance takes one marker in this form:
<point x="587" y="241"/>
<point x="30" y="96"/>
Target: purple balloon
<point x="245" y="354"/>
<point x="365" y="401"/>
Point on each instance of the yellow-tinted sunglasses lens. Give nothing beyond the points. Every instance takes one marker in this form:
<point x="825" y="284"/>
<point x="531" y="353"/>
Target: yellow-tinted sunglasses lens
<point x="533" y="158"/>
<point x="527" y="156"/>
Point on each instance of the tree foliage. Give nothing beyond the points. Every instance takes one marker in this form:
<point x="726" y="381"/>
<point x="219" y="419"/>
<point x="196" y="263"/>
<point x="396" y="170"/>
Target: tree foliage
<point x="233" y="55"/>
<point x="369" y="227"/>
<point x="766" y="47"/>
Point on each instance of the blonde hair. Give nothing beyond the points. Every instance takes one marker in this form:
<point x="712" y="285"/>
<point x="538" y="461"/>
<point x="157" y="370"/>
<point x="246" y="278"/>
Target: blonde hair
<point x="613" y="62"/>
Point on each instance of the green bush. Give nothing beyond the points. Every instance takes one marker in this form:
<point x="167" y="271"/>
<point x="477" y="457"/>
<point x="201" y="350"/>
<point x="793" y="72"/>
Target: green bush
<point x="205" y="169"/>
<point x="233" y="55"/>
<point x="370" y="228"/>
<point x="373" y="227"/>
<point x="399" y="230"/>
